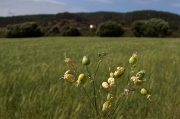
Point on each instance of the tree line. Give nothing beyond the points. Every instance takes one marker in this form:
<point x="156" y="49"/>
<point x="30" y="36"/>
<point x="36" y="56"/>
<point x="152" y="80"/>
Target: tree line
<point x="141" y="28"/>
<point x="84" y="19"/>
<point x="29" y="29"/>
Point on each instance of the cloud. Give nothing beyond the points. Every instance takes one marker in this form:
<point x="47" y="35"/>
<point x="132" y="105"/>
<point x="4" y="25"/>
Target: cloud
<point x="146" y="1"/>
<point x="29" y="7"/>
<point x="24" y="7"/>
<point x="47" y="1"/>
<point x="176" y="5"/>
<point x="102" y="1"/>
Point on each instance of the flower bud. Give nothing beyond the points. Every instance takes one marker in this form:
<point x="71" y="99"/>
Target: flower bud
<point x="110" y="97"/>
<point x="111" y="74"/>
<point x="140" y="75"/>
<point x="85" y="60"/>
<point x="105" y="85"/>
<point x="81" y="79"/>
<point x="106" y="106"/>
<point x="133" y="59"/>
<point x="111" y="80"/>
<point x="133" y="78"/>
<point x="69" y="77"/>
<point x="144" y="91"/>
<point x="69" y="62"/>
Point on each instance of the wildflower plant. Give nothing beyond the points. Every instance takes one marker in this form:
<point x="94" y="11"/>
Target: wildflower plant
<point x="135" y="83"/>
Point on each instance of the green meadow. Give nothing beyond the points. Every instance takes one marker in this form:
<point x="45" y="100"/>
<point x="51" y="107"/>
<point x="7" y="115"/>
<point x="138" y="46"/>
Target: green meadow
<point x="31" y="69"/>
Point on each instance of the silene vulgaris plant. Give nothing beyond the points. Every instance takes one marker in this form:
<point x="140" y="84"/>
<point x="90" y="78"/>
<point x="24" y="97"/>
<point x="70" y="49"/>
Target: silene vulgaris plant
<point x="135" y="82"/>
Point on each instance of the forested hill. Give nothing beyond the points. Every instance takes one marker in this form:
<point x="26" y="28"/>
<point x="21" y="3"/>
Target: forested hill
<point x="84" y="19"/>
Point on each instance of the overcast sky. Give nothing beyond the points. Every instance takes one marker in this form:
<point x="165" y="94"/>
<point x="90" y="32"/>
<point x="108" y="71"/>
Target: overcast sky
<point x="24" y="7"/>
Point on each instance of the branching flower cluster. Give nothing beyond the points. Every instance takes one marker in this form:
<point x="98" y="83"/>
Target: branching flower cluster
<point x="134" y="82"/>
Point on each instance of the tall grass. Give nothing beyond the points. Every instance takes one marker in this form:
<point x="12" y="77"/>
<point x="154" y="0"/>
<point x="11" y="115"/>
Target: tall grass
<point x="30" y="70"/>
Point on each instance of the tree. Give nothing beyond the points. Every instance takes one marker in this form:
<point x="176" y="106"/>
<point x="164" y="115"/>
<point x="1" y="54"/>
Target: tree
<point x="72" y="31"/>
<point x="138" y="28"/>
<point x="54" y="30"/>
<point x="28" y="29"/>
<point x="109" y="29"/>
<point x="150" y="28"/>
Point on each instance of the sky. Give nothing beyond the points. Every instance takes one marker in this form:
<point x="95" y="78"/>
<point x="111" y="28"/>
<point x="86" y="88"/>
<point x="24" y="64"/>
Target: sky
<point x="31" y="7"/>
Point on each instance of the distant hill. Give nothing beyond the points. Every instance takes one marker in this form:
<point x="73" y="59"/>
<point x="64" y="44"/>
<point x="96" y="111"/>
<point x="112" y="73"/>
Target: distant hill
<point x="82" y="20"/>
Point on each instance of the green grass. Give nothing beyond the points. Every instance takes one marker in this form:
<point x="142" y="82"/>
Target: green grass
<point x="30" y="69"/>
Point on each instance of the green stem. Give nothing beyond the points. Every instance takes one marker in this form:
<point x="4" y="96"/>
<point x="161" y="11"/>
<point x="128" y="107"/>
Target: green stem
<point x="89" y="75"/>
<point x="94" y="91"/>
<point x="75" y="71"/>
<point x="91" y="101"/>
<point x="97" y="68"/>
<point x="131" y="74"/>
<point x="96" y="74"/>
<point x="118" y="103"/>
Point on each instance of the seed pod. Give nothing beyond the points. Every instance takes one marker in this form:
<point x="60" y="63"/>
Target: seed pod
<point x="105" y="85"/>
<point x="69" y="77"/>
<point x="144" y="91"/>
<point x="67" y="72"/>
<point x="119" y="71"/>
<point x="85" y="60"/>
<point x="110" y="97"/>
<point x="133" y="78"/>
<point x="69" y="62"/>
<point x="140" y="75"/>
<point x="139" y="82"/>
<point x="81" y="79"/>
<point x="133" y="59"/>
<point x="106" y="106"/>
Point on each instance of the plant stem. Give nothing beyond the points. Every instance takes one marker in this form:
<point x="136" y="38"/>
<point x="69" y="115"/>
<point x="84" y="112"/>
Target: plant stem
<point x="94" y="91"/>
<point x="118" y="103"/>
<point x="75" y="71"/>
<point x="91" y="101"/>
<point x="97" y="68"/>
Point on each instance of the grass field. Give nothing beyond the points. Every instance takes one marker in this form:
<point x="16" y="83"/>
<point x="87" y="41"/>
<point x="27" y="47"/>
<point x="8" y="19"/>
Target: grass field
<point x="30" y="69"/>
